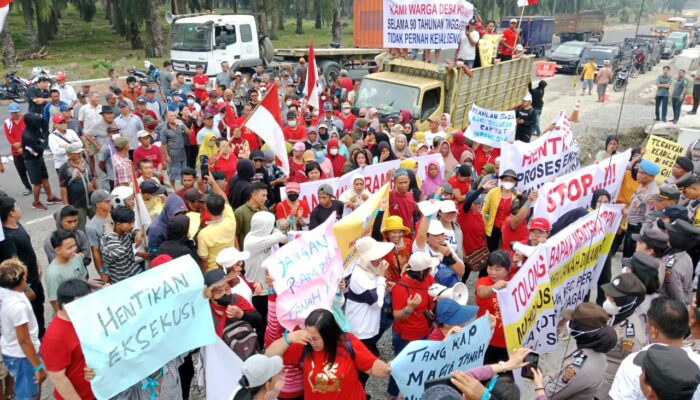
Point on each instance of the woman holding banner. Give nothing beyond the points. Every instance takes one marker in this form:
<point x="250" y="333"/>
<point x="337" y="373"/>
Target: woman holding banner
<point x="498" y="270"/>
<point x="330" y="359"/>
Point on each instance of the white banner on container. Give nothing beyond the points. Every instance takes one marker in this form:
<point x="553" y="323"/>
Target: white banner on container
<point x="376" y="175"/>
<point x="425" y="24"/>
<point x="554" y="154"/>
<point x="490" y="127"/>
<point x="576" y="189"/>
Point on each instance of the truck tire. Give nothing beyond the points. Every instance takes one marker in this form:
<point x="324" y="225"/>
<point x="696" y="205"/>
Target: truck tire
<point x="330" y="69"/>
<point x="539" y="52"/>
<point x="267" y="52"/>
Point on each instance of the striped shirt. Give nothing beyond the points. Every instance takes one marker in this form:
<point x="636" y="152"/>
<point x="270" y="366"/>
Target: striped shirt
<point x="118" y="256"/>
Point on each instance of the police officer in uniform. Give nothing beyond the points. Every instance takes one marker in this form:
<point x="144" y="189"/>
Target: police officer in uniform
<point x="584" y="369"/>
<point x="637" y="211"/>
<point x="623" y="295"/>
<point x="646" y="268"/>
<point x="690" y="186"/>
<point x="678" y="277"/>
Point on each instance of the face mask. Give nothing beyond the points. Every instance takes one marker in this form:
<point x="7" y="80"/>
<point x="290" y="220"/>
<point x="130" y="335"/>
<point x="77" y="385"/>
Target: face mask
<point x="346" y="111"/>
<point x="289" y="103"/>
<point x="320" y="154"/>
<point x="292" y="124"/>
<point x="507" y="185"/>
<point x="334" y="152"/>
<point x="576" y="333"/>
<point x="190" y="101"/>
<point x="293" y="196"/>
<point x="611" y="308"/>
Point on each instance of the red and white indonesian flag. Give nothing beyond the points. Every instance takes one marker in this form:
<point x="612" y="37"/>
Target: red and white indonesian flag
<point x="265" y="122"/>
<point x="311" y="89"/>
<point x="523" y="3"/>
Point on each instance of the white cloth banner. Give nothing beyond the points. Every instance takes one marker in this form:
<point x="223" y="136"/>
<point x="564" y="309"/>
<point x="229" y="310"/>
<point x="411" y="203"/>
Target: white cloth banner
<point x="576" y="189"/>
<point x="554" y="154"/>
<point x="222" y="370"/>
<point x="490" y="127"/>
<point x="425" y="24"/>
<point x="376" y="175"/>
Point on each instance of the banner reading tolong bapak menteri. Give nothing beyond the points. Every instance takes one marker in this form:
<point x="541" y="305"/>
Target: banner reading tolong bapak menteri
<point x="425" y="24"/>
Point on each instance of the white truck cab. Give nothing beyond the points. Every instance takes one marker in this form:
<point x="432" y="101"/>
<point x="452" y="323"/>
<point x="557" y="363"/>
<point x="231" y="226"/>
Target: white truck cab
<point x="209" y="39"/>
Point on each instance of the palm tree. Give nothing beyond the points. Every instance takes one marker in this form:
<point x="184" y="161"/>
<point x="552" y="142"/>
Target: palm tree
<point x="9" y="58"/>
<point x="155" y="30"/>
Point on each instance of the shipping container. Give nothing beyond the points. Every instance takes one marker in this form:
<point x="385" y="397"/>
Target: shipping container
<point x="368" y="24"/>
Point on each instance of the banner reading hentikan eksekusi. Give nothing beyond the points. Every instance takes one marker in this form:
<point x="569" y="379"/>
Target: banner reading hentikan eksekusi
<point x="132" y="328"/>
<point x="306" y="272"/>
<point x="424" y="360"/>
<point x="490" y="127"/>
<point x="425" y="24"/>
<point x="527" y="308"/>
<point x="376" y="175"/>
<point x="576" y="189"/>
<point x="356" y="225"/>
<point x="663" y="152"/>
<point x="553" y="154"/>
<point x="576" y="255"/>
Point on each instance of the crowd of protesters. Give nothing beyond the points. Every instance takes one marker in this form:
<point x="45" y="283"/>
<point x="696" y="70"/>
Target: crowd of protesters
<point x="150" y="173"/>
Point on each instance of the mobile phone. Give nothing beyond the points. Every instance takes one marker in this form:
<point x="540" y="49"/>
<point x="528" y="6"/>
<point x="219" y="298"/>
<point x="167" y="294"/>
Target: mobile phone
<point x="447" y="381"/>
<point x="532" y="360"/>
<point x="205" y="166"/>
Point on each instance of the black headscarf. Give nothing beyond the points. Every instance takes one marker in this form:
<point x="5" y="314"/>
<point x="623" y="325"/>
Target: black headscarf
<point x="178" y="243"/>
<point x="601" y="341"/>
<point x="567" y="219"/>
<point x="239" y="188"/>
<point x="413" y="186"/>
<point x="596" y="196"/>
<point x="385" y="145"/>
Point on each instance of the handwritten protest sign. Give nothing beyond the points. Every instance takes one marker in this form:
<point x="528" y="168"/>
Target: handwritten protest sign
<point x="576" y="255"/>
<point x="488" y="46"/>
<point x="306" y="272"/>
<point x="526" y="306"/>
<point x="132" y="328"/>
<point x="663" y="152"/>
<point x="425" y="360"/>
<point x="376" y="175"/>
<point x="489" y="127"/>
<point x="576" y="189"/>
<point x="425" y="24"/>
<point x="556" y="153"/>
<point x="356" y="225"/>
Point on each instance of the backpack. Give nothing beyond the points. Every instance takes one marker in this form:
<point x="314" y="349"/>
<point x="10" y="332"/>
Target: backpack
<point x="240" y="337"/>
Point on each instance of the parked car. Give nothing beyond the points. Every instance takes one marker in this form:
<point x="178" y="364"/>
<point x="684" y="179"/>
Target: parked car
<point x="668" y="49"/>
<point x="654" y="44"/>
<point x="568" y="55"/>
<point x="601" y="53"/>
<point x="680" y="40"/>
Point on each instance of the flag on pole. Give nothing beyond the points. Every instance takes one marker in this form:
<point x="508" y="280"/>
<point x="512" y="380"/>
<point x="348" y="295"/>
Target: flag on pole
<point x="311" y="89"/>
<point x="523" y="3"/>
<point x="229" y="121"/>
<point x="265" y="122"/>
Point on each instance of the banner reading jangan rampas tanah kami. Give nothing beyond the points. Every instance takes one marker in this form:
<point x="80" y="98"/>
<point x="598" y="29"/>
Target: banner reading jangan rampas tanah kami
<point x="425" y="24"/>
<point x="556" y="153"/>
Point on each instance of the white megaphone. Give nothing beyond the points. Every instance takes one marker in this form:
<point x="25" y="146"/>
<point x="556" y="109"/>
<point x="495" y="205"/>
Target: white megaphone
<point x="458" y="292"/>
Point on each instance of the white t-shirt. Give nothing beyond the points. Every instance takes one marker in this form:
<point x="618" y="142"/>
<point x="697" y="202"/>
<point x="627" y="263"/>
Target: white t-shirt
<point x="67" y="94"/>
<point x="16" y="310"/>
<point x="466" y="50"/>
<point x="626" y="383"/>
<point x="58" y="145"/>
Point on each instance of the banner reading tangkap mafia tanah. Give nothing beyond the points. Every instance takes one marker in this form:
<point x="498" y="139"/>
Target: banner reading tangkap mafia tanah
<point x="425" y="24"/>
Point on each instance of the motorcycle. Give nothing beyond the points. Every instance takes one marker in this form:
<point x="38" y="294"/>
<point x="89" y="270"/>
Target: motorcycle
<point x="38" y="72"/>
<point x="14" y="87"/>
<point x="140" y="76"/>
<point x="621" y="79"/>
<point x="634" y="71"/>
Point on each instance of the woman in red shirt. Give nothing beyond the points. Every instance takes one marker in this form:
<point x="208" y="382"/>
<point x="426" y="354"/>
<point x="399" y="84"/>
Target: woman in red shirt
<point x="296" y="161"/>
<point x="498" y="271"/>
<point x="224" y="160"/>
<point x="292" y="213"/>
<point x="410" y="300"/>
<point x="330" y="358"/>
<point x="485" y="155"/>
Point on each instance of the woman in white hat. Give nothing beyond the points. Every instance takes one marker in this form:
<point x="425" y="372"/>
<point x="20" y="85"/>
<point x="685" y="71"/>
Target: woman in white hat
<point x="233" y="263"/>
<point x="365" y="295"/>
<point x="262" y="378"/>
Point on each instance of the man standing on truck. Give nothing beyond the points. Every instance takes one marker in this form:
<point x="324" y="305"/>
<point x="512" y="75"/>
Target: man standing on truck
<point x="466" y="51"/>
<point x="588" y="76"/>
<point x="509" y="40"/>
<point x="525" y="119"/>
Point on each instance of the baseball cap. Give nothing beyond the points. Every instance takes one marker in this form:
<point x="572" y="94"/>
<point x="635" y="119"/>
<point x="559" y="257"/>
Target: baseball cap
<point x="436" y="228"/>
<point x="292" y="187"/>
<point x="81" y="95"/>
<point x="120" y="194"/>
<point x="123" y="103"/>
<point x="669" y="371"/>
<point x="587" y="316"/>
<point x="667" y="192"/>
<point x="327" y="106"/>
<point x="325" y="189"/>
<point x="150" y="90"/>
<point x="238" y="73"/>
<point x="464" y="171"/>
<point x="259" y="368"/>
<point x="14" y="107"/>
<point x="649" y="167"/>
<point x="193" y="194"/>
<point x="107" y="110"/>
<point x="527" y="97"/>
<point x="540" y="224"/>
<point x="141" y="100"/>
<point x="448" y="206"/>
<point x="257" y="155"/>
<point x="60" y="76"/>
<point x="149" y="186"/>
<point x="229" y="257"/>
<point x="299" y="146"/>
<point x="65" y="107"/>
<point x="624" y="285"/>
<point x="370" y="249"/>
<point x="420" y="261"/>
<point x="447" y="188"/>
<point x="308" y="156"/>
<point x="448" y="311"/>
<point x="98" y="196"/>
<point x="346" y="105"/>
<point x="655" y="237"/>
<point x="513" y="21"/>
<point x="120" y="142"/>
<point x="76" y="147"/>
<point x="213" y="93"/>
<point x="143" y="133"/>
<point x="640" y="259"/>
<point x="58" y="119"/>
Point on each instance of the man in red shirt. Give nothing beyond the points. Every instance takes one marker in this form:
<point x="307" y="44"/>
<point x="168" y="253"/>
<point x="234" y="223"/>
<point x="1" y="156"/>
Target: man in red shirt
<point x="509" y="40"/>
<point x="60" y="348"/>
<point x="14" y="126"/>
<point x="142" y="111"/>
<point x="293" y="131"/>
<point x="148" y="151"/>
<point x="200" y="82"/>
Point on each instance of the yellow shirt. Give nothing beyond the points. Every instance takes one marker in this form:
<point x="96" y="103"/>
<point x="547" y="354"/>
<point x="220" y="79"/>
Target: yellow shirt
<point x="217" y="236"/>
<point x="589" y="71"/>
